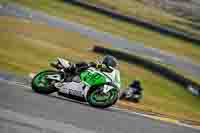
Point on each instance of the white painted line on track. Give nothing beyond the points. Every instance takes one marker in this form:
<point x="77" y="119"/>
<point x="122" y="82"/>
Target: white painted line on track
<point x="168" y="120"/>
<point x="132" y="112"/>
<point x="124" y="110"/>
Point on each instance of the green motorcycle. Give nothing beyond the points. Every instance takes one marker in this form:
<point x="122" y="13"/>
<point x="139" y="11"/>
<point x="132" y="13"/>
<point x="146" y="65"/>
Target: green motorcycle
<point x="92" y="86"/>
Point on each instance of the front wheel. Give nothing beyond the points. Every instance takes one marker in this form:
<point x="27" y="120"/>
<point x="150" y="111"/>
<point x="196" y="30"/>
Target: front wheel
<point x="41" y="84"/>
<point x="98" y="99"/>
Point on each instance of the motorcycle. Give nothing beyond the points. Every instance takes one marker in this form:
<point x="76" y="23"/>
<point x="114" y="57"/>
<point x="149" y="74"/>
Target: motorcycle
<point x="92" y="86"/>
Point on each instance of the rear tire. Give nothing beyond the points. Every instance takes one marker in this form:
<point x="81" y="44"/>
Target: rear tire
<point x="41" y="85"/>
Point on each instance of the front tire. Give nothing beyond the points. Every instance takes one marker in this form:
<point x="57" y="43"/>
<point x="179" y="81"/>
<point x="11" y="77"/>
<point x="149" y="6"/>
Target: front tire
<point x="99" y="101"/>
<point x="42" y="85"/>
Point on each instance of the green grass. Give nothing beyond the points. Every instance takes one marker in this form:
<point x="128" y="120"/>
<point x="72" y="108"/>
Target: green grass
<point x="27" y="47"/>
<point x="104" y="23"/>
<point x="25" y="51"/>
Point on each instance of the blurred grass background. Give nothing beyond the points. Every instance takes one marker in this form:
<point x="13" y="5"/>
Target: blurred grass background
<point x="119" y="28"/>
<point x="26" y="47"/>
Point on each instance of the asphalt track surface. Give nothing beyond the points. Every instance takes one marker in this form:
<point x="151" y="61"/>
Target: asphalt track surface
<point x="24" y="111"/>
<point x="182" y="63"/>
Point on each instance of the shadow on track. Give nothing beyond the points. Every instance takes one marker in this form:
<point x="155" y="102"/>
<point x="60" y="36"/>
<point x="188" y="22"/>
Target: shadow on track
<point x="56" y="96"/>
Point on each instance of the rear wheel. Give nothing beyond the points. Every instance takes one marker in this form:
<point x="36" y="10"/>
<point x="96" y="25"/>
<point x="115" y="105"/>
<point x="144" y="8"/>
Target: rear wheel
<point x="43" y="85"/>
<point x="98" y="99"/>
